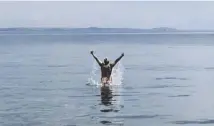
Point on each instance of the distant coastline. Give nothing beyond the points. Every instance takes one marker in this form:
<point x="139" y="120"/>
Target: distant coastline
<point x="91" y="29"/>
<point x="95" y="30"/>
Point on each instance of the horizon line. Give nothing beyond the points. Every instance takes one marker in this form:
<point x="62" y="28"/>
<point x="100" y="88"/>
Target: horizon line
<point x="45" y="27"/>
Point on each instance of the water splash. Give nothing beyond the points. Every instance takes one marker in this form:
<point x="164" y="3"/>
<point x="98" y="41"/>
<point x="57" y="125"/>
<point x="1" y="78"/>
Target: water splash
<point x="92" y="80"/>
<point x="117" y="75"/>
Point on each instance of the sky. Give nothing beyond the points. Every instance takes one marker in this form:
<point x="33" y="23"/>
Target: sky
<point x="109" y="14"/>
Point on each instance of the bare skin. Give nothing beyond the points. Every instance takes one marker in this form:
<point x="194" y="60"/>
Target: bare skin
<point x="106" y="67"/>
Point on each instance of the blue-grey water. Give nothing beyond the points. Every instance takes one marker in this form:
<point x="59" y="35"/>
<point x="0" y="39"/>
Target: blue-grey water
<point x="168" y="80"/>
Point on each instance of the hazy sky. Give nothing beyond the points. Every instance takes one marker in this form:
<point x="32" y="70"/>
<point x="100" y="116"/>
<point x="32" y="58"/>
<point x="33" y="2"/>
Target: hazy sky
<point x="181" y="15"/>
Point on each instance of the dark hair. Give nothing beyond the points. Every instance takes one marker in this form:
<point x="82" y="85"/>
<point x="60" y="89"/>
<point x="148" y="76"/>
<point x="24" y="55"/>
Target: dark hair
<point x="106" y="61"/>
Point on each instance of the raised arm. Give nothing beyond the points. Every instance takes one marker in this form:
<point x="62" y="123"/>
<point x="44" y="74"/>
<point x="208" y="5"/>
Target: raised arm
<point x="98" y="61"/>
<point x="117" y="60"/>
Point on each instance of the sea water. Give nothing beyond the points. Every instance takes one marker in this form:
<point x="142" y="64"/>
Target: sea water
<point x="52" y="80"/>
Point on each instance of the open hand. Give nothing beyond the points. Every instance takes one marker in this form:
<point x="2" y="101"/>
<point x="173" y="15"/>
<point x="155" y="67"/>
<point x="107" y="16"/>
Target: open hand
<point x="92" y="52"/>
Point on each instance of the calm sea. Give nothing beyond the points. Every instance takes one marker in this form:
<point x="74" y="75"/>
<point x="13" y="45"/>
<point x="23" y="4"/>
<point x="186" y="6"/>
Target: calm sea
<point x="52" y="80"/>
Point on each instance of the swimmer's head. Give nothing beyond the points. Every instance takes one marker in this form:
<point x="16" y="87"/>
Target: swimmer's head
<point x="106" y="61"/>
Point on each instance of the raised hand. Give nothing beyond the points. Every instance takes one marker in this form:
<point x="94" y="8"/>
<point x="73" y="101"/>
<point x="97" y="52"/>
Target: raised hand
<point x="98" y="61"/>
<point x="92" y="52"/>
<point x="122" y="54"/>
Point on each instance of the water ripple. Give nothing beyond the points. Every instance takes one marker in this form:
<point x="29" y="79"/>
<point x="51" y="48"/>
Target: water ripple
<point x="194" y="122"/>
<point x="134" y="116"/>
<point x="5" y="88"/>
<point x="209" y="68"/>
<point x="170" y="78"/>
<point x="180" y="96"/>
<point x="58" y="65"/>
<point x="165" y="86"/>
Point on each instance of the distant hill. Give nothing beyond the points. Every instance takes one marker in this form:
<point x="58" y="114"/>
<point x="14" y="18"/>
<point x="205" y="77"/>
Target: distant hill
<point x="96" y="30"/>
<point x="86" y="30"/>
<point x="164" y="29"/>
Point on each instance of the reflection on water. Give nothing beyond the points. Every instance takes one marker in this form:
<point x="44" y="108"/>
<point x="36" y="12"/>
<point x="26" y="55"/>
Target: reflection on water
<point x="109" y="103"/>
<point x="108" y="99"/>
<point x="106" y="95"/>
<point x="105" y="122"/>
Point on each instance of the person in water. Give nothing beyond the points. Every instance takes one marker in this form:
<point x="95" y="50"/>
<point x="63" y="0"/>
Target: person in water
<point x="106" y="67"/>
